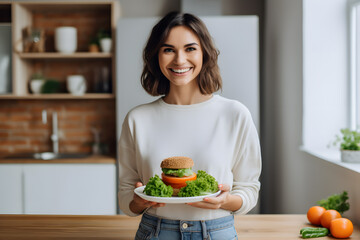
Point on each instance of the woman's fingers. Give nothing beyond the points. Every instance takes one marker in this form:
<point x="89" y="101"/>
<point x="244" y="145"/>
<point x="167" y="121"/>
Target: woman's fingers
<point x="138" y="184"/>
<point x="224" y="187"/>
<point x="214" y="202"/>
<point x="140" y="201"/>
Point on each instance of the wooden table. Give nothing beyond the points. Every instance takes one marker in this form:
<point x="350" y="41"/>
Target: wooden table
<point x="119" y="227"/>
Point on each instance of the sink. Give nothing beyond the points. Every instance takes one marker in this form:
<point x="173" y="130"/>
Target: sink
<point x="48" y="155"/>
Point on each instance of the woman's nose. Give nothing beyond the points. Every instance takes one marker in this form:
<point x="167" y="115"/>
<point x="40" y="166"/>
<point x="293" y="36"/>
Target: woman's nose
<point x="180" y="58"/>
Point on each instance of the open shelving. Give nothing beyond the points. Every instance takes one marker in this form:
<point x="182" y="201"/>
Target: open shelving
<point x="87" y="17"/>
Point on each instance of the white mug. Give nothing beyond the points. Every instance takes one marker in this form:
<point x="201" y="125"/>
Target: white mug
<point x="105" y="44"/>
<point x="66" y="39"/>
<point x="76" y="84"/>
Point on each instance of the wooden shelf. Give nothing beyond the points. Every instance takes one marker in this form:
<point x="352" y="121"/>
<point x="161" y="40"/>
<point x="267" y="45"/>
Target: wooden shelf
<point x="55" y="55"/>
<point x="59" y="96"/>
<point x="88" y="17"/>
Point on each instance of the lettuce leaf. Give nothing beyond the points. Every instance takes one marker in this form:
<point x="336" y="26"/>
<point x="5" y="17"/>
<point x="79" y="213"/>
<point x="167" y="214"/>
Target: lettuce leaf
<point x="203" y="185"/>
<point x="178" y="172"/>
<point x="337" y="202"/>
<point x="157" y="188"/>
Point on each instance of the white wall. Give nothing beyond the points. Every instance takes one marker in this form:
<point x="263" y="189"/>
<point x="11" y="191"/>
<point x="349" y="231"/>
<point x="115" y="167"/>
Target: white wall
<point x="293" y="180"/>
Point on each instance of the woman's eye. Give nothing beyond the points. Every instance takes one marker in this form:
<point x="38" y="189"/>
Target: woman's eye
<point x="189" y="49"/>
<point x="168" y="50"/>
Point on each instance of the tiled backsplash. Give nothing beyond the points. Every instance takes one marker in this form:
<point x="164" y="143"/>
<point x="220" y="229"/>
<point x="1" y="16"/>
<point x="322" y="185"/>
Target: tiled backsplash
<point x="22" y="129"/>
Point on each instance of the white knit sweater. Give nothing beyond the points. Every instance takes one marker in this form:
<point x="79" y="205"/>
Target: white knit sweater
<point x="218" y="134"/>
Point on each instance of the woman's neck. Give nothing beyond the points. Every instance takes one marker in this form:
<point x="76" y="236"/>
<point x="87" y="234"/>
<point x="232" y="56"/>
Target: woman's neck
<point x="185" y="95"/>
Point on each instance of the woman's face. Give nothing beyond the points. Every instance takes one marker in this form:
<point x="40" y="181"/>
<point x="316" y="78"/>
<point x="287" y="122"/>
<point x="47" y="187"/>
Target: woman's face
<point x="181" y="56"/>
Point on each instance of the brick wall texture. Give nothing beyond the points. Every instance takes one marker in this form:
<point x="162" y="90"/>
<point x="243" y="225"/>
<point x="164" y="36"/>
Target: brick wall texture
<point x="22" y="129"/>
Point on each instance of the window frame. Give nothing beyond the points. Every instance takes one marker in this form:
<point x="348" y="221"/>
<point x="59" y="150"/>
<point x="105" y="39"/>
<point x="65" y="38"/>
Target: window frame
<point x="354" y="53"/>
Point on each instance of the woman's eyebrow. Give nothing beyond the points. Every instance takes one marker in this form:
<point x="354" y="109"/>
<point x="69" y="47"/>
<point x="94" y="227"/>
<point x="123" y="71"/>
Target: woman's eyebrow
<point x="190" y="44"/>
<point x="186" y="45"/>
<point x="167" y="45"/>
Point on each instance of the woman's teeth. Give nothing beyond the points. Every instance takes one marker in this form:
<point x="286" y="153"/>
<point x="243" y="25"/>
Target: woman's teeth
<point x="180" y="70"/>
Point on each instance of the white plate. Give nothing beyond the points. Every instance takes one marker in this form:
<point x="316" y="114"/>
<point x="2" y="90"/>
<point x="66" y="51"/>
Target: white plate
<point x="140" y="192"/>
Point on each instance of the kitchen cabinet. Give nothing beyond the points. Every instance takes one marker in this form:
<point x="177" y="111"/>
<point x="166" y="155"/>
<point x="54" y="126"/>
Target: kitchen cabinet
<point x="58" y="188"/>
<point x="89" y="18"/>
<point x="11" y="189"/>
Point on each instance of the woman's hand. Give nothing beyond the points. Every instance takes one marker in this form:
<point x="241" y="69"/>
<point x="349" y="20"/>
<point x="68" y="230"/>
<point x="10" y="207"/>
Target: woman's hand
<point x="224" y="200"/>
<point x="138" y="205"/>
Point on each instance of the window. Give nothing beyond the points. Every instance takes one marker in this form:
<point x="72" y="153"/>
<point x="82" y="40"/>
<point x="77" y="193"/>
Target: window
<point x="355" y="64"/>
<point x="330" y="100"/>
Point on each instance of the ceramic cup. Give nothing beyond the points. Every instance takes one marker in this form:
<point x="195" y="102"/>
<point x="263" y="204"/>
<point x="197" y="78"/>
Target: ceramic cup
<point x="76" y="84"/>
<point x="36" y="85"/>
<point x="105" y="44"/>
<point x="66" y="39"/>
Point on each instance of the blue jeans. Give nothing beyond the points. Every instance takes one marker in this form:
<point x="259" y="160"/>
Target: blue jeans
<point x="154" y="228"/>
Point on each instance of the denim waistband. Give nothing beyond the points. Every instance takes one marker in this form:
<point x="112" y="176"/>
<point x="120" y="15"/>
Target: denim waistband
<point x="188" y="226"/>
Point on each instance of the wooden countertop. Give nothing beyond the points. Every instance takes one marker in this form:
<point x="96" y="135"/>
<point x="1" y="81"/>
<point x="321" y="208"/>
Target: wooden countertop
<point x="90" y="159"/>
<point x="120" y="227"/>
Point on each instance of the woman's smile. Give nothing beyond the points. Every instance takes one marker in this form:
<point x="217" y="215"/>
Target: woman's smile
<point x="180" y="71"/>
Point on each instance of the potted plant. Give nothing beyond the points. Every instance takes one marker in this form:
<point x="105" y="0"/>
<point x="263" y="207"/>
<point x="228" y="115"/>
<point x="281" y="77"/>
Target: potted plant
<point x="105" y="40"/>
<point x="36" y="82"/>
<point x="349" y="141"/>
<point x="94" y="45"/>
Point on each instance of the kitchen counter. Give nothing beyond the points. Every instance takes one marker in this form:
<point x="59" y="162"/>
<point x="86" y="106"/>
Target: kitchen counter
<point x="90" y="159"/>
<point x="120" y="227"/>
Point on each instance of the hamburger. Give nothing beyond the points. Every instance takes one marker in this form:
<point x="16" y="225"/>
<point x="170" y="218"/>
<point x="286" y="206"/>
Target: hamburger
<point x="176" y="172"/>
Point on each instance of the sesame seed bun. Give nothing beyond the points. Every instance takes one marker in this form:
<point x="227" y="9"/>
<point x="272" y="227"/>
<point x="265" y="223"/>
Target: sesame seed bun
<point x="177" y="163"/>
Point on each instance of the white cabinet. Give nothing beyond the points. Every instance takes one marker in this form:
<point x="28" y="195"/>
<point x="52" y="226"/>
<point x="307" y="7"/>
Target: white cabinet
<point x="70" y="189"/>
<point x="11" y="189"/>
<point x="59" y="188"/>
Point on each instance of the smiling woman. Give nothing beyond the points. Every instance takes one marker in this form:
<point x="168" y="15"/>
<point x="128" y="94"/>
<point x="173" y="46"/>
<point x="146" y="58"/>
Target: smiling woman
<point x="180" y="63"/>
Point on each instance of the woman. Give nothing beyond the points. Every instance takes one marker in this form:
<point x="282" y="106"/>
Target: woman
<point x="180" y="64"/>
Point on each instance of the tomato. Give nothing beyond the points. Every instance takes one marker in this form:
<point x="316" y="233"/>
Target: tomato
<point x="328" y="216"/>
<point x="177" y="182"/>
<point x="314" y="214"/>
<point x="341" y="228"/>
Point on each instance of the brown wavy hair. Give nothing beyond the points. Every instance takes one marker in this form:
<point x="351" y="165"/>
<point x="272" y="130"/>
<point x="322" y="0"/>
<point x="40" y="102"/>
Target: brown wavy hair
<point x="153" y="80"/>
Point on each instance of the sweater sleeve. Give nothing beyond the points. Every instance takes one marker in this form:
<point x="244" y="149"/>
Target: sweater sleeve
<point x="128" y="174"/>
<point x="247" y="165"/>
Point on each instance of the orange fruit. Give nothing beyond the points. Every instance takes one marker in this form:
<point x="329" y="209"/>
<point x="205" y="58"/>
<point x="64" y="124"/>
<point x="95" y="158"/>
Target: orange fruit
<point x="341" y="228"/>
<point x="328" y="216"/>
<point x="314" y="214"/>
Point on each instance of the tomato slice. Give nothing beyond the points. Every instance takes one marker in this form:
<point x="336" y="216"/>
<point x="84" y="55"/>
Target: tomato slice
<point x="177" y="182"/>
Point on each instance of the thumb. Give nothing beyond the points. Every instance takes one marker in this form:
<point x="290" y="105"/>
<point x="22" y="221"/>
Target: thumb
<point x="224" y="187"/>
<point x="138" y="184"/>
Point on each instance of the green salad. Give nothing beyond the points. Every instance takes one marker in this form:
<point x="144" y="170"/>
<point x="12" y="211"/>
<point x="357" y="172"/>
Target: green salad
<point x="157" y="188"/>
<point x="203" y="185"/>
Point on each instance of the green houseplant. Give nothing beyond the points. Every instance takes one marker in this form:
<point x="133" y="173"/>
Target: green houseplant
<point x="349" y="142"/>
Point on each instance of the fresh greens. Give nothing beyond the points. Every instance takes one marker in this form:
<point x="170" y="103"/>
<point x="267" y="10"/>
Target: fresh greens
<point x="349" y="139"/>
<point x="337" y="202"/>
<point x="178" y="172"/>
<point x="157" y="188"/>
<point x="203" y="185"/>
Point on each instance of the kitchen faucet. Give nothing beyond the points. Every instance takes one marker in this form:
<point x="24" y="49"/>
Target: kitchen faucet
<point x="55" y="132"/>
